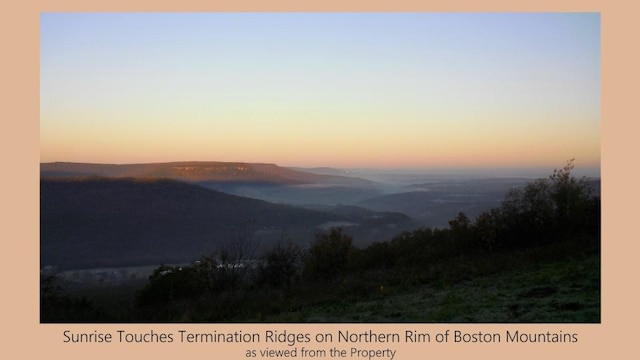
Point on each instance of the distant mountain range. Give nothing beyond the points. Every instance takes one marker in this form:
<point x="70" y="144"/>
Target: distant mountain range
<point x="100" y="215"/>
<point x="203" y="172"/>
<point x="268" y="182"/>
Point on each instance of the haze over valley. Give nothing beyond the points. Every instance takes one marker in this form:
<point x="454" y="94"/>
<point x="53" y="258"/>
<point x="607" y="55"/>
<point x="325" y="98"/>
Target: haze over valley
<point x="105" y="215"/>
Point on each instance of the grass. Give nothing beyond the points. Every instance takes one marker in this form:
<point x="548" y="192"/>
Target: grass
<point x="560" y="291"/>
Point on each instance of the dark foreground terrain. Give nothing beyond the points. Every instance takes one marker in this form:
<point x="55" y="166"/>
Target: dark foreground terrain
<point x="565" y="289"/>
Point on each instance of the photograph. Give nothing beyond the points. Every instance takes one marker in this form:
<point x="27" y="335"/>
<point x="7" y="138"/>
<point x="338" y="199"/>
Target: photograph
<point x="320" y="167"/>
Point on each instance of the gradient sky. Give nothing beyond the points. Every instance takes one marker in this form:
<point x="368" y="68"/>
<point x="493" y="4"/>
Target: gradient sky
<point x="382" y="90"/>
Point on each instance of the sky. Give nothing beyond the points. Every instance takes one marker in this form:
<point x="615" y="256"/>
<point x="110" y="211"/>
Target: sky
<point x="347" y="90"/>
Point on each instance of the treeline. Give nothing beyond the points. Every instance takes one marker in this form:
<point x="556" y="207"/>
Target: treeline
<point x="546" y="220"/>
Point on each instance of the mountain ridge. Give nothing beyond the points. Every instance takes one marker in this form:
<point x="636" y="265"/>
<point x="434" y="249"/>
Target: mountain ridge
<point x="201" y="171"/>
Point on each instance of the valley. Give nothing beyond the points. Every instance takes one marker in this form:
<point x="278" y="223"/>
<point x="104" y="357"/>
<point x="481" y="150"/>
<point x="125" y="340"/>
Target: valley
<point x="180" y="241"/>
<point x="102" y="215"/>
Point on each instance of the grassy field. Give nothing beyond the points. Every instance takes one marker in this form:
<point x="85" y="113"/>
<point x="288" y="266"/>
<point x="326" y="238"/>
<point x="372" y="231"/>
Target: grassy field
<point x="565" y="290"/>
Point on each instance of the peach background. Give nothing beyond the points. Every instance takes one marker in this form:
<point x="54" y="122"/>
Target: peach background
<point x="22" y="336"/>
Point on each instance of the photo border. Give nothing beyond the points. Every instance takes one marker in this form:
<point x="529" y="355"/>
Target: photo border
<point x="24" y="336"/>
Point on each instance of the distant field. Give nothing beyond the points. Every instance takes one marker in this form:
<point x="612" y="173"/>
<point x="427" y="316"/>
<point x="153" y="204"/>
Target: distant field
<point x="108" y="276"/>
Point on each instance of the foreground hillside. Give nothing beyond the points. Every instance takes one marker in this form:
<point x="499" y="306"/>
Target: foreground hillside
<point x="565" y="290"/>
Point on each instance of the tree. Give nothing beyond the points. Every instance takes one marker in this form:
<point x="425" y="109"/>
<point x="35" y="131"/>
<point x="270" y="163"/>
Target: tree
<point x="540" y="212"/>
<point x="573" y="200"/>
<point x="328" y="257"/>
<point x="460" y="223"/>
<point x="282" y="264"/>
<point x="528" y="213"/>
<point x="461" y="233"/>
<point x="487" y="228"/>
<point x="232" y="257"/>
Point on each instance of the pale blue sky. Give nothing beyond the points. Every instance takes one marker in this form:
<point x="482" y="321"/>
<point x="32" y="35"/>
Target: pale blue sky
<point x="313" y="89"/>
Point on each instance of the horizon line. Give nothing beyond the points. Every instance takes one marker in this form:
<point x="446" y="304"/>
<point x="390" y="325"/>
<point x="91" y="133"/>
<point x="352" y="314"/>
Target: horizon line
<point x="455" y="169"/>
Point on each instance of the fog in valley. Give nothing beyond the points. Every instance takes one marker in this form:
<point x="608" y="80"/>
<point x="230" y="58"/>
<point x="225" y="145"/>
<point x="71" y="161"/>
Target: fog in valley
<point x="370" y="205"/>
